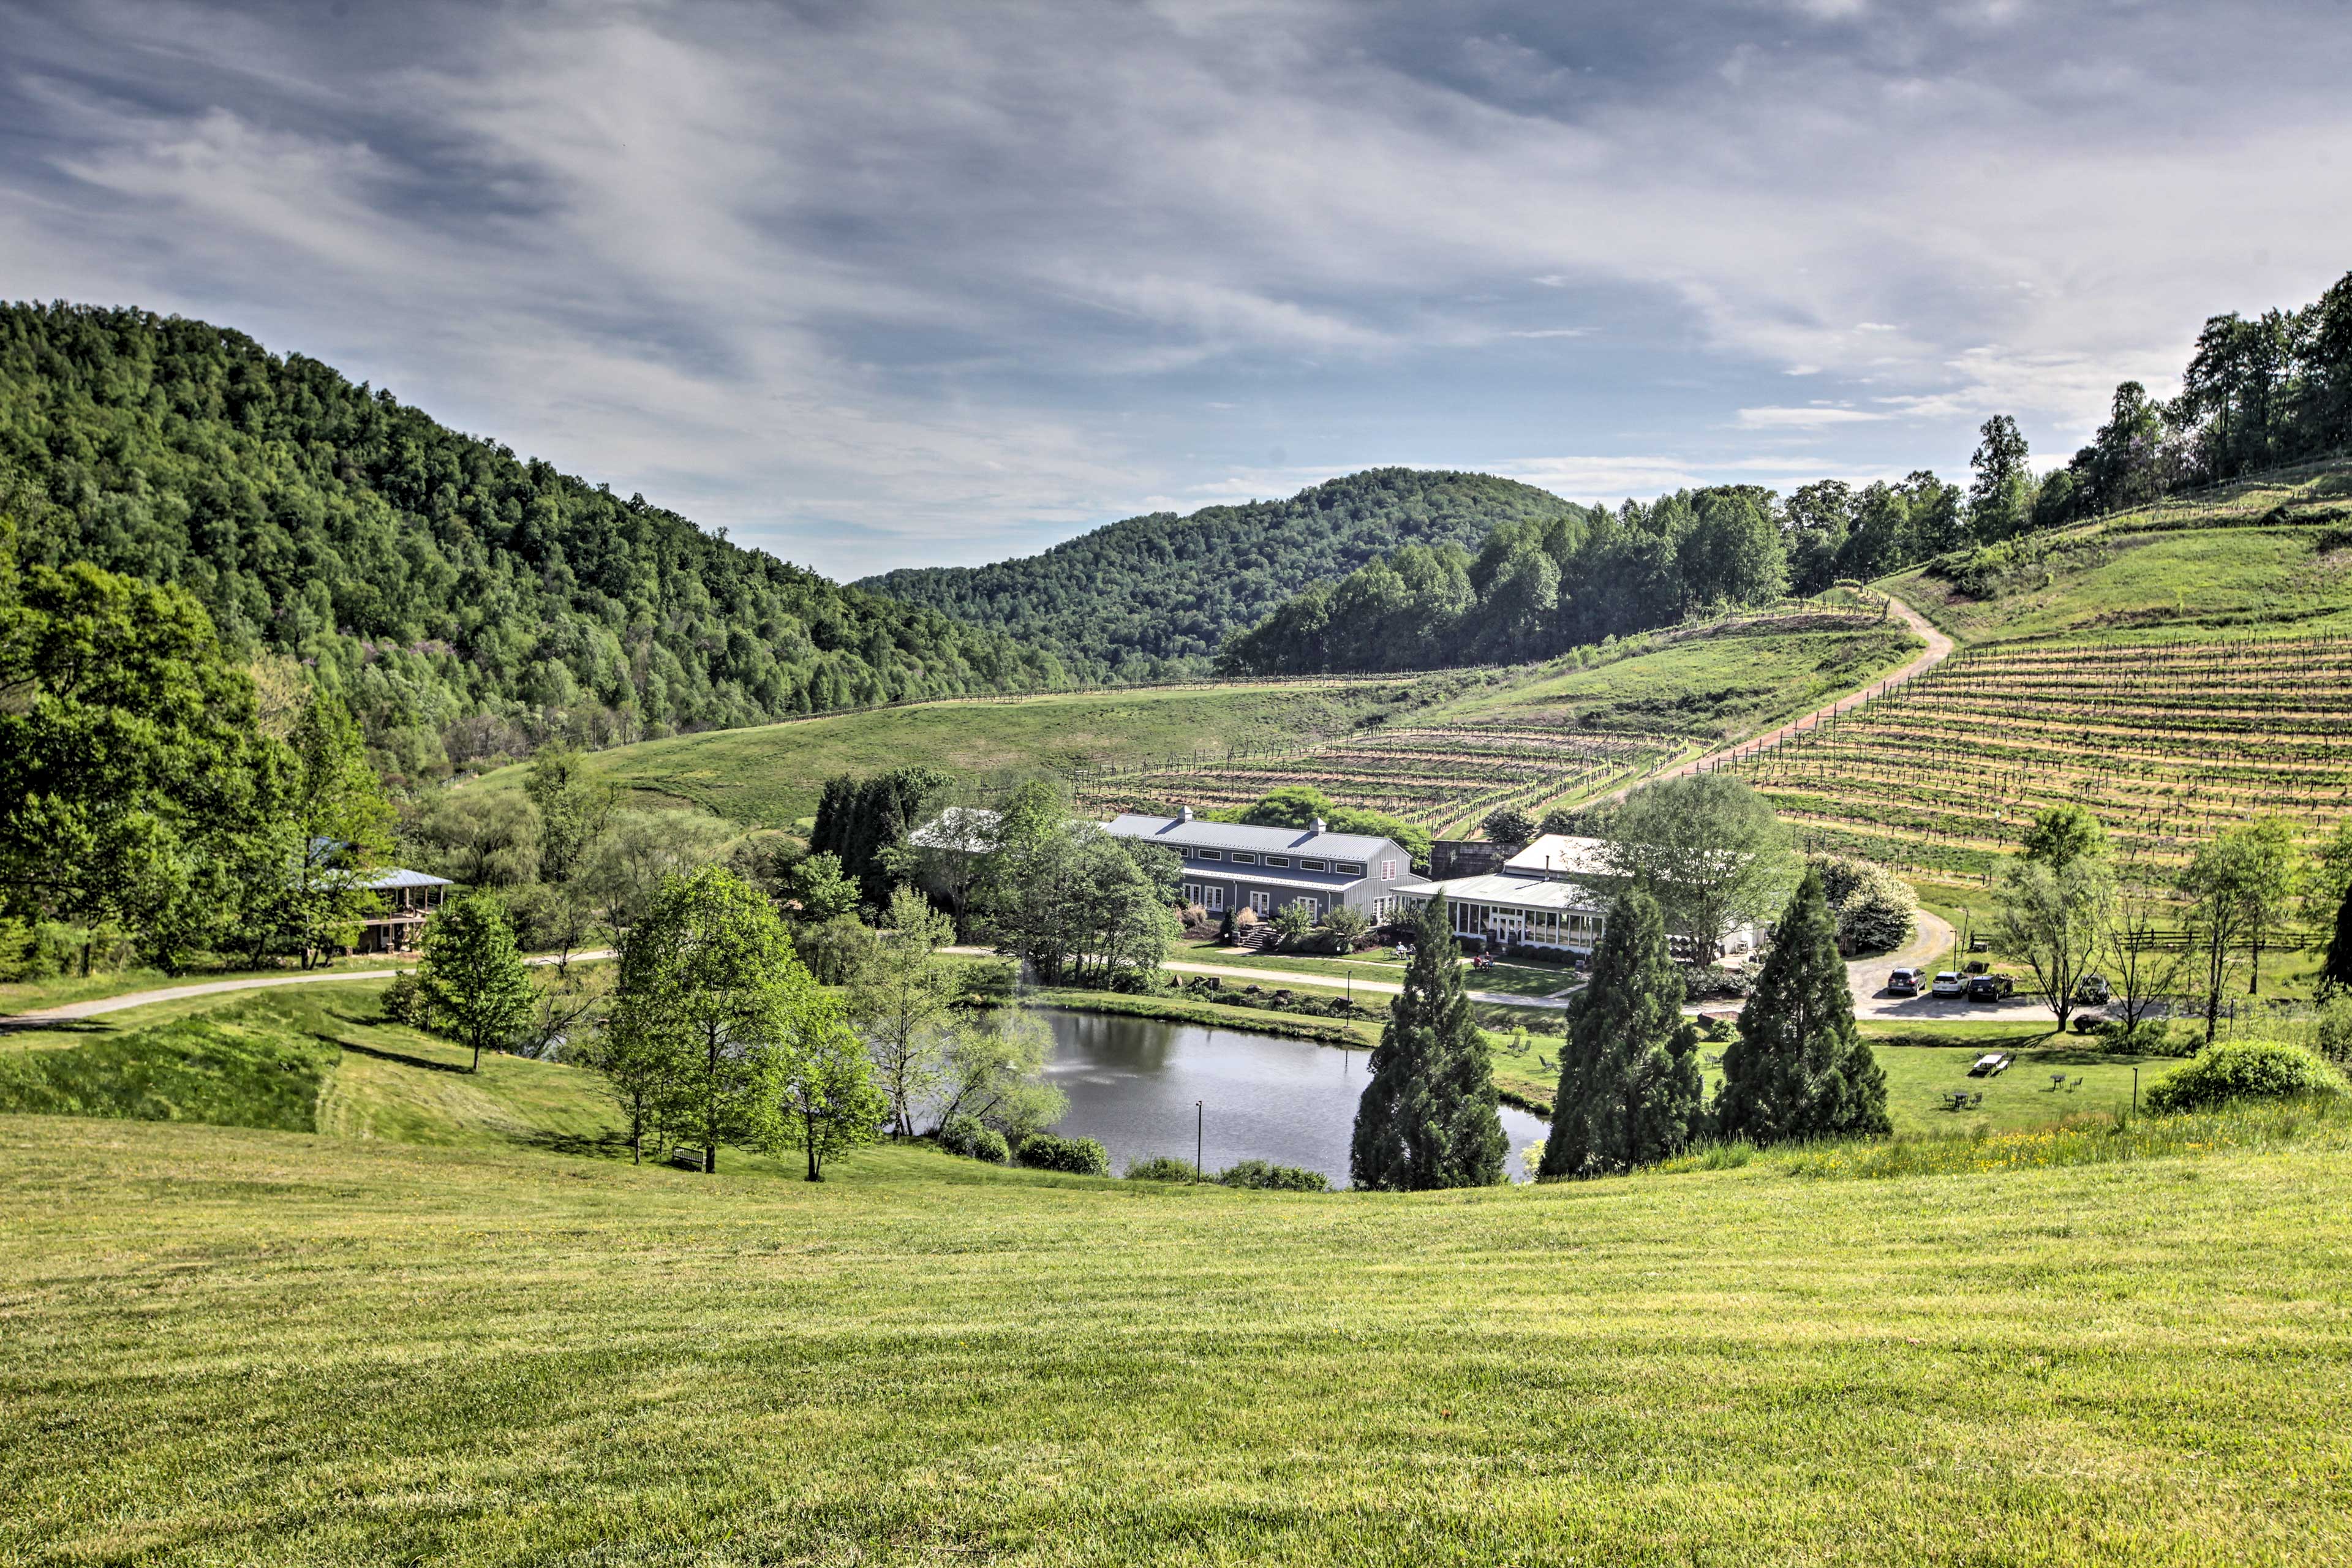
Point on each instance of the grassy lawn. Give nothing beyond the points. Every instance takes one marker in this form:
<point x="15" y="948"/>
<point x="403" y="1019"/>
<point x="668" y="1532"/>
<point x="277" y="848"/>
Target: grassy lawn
<point x="232" y="1346"/>
<point x="32" y="995"/>
<point x="1708" y="686"/>
<point x="771" y="775"/>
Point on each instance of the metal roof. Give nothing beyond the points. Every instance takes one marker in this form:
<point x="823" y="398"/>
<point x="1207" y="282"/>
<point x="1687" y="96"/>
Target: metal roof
<point x="1523" y="892"/>
<point x="1561" y="855"/>
<point x="400" y="876"/>
<point x="1182" y="833"/>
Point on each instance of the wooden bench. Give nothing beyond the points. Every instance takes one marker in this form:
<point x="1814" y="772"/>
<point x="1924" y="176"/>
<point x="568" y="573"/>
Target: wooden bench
<point x="686" y="1159"/>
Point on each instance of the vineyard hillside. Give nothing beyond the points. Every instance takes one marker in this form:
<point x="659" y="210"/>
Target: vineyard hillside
<point x="1439" y="749"/>
<point x="2176" y="670"/>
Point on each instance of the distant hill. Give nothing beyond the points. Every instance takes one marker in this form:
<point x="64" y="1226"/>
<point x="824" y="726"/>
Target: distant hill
<point x="1155" y="595"/>
<point x="466" y="602"/>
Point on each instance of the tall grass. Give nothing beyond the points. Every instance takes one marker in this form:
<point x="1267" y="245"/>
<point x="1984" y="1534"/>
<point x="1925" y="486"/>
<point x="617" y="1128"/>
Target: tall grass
<point x="2246" y="1126"/>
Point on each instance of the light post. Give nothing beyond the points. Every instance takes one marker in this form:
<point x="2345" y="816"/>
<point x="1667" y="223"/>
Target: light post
<point x="1200" y="1121"/>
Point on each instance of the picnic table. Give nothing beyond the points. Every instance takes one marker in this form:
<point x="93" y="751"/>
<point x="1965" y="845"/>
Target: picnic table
<point x="1962" y="1099"/>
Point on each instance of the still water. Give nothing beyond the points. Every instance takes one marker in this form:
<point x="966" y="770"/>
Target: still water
<point x="1132" y="1082"/>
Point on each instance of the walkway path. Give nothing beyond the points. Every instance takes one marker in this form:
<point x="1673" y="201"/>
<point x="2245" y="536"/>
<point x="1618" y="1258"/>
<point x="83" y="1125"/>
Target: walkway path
<point x="91" y="1009"/>
<point x="1939" y="648"/>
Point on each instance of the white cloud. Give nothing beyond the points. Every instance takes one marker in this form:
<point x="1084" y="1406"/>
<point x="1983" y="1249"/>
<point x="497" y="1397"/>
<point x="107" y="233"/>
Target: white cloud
<point x="1805" y="418"/>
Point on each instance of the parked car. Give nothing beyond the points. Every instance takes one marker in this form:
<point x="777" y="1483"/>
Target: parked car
<point x="1904" y="981"/>
<point x="1990" y="988"/>
<point x="2092" y="991"/>
<point x="1947" y="983"/>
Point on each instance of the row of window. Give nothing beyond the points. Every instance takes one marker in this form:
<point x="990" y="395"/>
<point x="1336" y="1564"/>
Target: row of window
<point x="1211" y="897"/>
<point x="1344" y="868"/>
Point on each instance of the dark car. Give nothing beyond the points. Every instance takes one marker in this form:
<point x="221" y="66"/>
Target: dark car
<point x="1905" y="981"/>
<point x="1991" y="987"/>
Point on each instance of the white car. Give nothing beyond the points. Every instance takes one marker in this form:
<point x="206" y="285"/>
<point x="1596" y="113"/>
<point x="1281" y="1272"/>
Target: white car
<point x="1949" y="984"/>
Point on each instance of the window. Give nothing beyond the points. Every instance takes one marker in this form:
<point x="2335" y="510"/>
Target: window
<point x="1388" y="871"/>
<point x="1312" y="866"/>
<point x="1311" y="906"/>
<point x="1261" y="901"/>
<point x="1212" y="853"/>
<point x="1192" y="892"/>
<point x="1277" y="860"/>
<point x="1346" y="869"/>
<point x="1240" y="859"/>
<point x="1216" y="899"/>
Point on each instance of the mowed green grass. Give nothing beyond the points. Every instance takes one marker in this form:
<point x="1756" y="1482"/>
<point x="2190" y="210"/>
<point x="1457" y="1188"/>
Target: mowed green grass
<point x="1708" y="686"/>
<point x="771" y="775"/>
<point x="236" y="1346"/>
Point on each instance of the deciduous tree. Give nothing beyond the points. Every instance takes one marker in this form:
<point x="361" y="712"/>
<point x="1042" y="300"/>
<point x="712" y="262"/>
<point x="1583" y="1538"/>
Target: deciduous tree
<point x="1707" y="848"/>
<point x="898" y="1002"/>
<point x="472" y="978"/>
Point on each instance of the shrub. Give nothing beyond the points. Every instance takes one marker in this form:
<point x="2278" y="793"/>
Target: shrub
<point x="2335" y="1030"/>
<point x="835" y="950"/>
<point x="1508" y="824"/>
<point x="1259" y="1175"/>
<point x="404" y="1002"/>
<point x="1874" y="909"/>
<point x="1244" y="920"/>
<point x="991" y="981"/>
<point x="1076" y="1156"/>
<point x="1714" y="980"/>
<point x="1344" y="925"/>
<point x="2244" y="1070"/>
<point x="1293" y="922"/>
<point x="964" y="1135"/>
<point x="1161" y="1168"/>
<point x="2156" y="1038"/>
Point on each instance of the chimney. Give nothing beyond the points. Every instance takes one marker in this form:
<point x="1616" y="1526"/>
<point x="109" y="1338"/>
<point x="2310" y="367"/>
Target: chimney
<point x="1184" y="813"/>
<point x="1319" y="824"/>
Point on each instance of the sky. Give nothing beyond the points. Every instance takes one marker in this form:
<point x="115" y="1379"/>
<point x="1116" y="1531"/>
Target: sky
<point x="887" y="285"/>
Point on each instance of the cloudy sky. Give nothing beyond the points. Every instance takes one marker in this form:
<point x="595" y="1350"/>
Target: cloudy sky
<point x="879" y="285"/>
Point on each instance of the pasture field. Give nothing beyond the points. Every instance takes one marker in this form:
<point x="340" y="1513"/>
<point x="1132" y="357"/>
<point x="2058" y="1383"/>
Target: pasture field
<point x="771" y="775"/>
<point x="233" y="1345"/>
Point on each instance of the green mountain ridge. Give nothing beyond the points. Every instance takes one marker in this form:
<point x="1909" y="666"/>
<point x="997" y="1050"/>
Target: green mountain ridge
<point x="465" y="602"/>
<point x="1155" y="596"/>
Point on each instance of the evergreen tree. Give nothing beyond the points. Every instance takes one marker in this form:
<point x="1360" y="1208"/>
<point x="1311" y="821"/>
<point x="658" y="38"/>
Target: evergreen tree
<point x="1428" y="1118"/>
<point x="2336" y="974"/>
<point x="472" y="978"/>
<point x="1630" y="1089"/>
<point x="1800" y="1068"/>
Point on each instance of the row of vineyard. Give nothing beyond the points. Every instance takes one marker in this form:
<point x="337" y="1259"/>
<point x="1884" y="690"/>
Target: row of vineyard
<point x="2167" y="745"/>
<point x="1448" y="777"/>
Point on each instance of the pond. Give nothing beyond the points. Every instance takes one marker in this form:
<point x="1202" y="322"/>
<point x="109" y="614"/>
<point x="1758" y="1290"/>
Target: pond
<point x="1132" y="1081"/>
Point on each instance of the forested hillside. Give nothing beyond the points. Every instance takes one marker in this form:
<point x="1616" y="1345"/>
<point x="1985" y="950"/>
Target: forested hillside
<point x="1533" y="590"/>
<point x="1157" y="595"/>
<point x="463" y="601"/>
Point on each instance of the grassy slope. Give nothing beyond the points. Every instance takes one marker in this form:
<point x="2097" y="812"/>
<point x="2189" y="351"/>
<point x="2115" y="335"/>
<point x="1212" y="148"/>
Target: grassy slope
<point x="236" y="1346"/>
<point x="2243" y="561"/>
<point x="1709" y="687"/>
<point x="771" y="775"/>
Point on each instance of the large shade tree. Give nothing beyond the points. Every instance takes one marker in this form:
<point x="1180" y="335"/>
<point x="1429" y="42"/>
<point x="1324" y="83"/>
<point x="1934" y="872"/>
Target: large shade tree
<point x="1707" y="847"/>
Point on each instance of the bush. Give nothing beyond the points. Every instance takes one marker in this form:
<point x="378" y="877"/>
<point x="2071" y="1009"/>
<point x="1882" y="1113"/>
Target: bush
<point x="964" y="1135"/>
<point x="1508" y="824"/>
<point x="1261" y="1176"/>
<point x="2155" y="1037"/>
<point x="1293" y="922"/>
<point x="1344" y="926"/>
<point x="1161" y="1168"/>
<point x="1714" y="980"/>
<point x="990" y="982"/>
<point x="1076" y="1156"/>
<point x="1874" y="909"/>
<point x="2244" y="1070"/>
<point x="835" y="950"/>
<point x="2336" y="1031"/>
<point x="404" y="1001"/>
